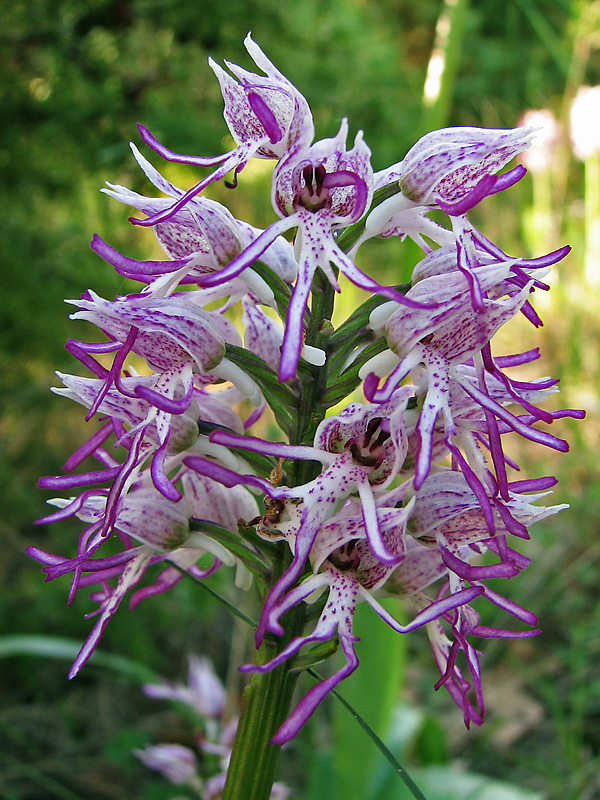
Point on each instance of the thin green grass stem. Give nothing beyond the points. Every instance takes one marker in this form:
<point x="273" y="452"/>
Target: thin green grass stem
<point x="379" y="744"/>
<point x="443" y="64"/>
<point x="265" y="705"/>
<point x="592" y="221"/>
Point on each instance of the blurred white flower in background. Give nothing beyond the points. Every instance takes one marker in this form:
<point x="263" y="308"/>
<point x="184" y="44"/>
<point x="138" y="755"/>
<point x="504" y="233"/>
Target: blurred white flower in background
<point x="585" y="122"/>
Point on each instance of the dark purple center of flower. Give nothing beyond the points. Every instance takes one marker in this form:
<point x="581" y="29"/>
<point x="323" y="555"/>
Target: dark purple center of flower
<point x="313" y="196"/>
<point x="368" y="449"/>
<point x="345" y="557"/>
<point x="319" y="192"/>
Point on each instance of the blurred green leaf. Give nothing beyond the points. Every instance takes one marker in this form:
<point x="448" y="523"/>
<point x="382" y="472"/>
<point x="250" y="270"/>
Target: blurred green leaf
<point x="409" y="728"/>
<point x="373" y="690"/>
<point x="67" y="649"/>
<point x="448" y="783"/>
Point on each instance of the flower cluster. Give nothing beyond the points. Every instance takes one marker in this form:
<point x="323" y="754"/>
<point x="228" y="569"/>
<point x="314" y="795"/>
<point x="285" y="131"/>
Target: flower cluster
<point x="402" y="494"/>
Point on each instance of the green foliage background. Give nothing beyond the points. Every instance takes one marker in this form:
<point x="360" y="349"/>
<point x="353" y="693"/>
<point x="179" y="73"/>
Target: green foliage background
<point x="75" y="77"/>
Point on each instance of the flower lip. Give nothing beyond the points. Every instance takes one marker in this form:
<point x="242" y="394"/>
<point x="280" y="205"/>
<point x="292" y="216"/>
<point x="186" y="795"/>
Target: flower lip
<point x="318" y="191"/>
<point x="311" y="196"/>
<point x="327" y="177"/>
<point x="345" y="557"/>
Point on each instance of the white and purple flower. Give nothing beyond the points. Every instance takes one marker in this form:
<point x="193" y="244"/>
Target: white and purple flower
<point x="401" y="495"/>
<point x="267" y="117"/>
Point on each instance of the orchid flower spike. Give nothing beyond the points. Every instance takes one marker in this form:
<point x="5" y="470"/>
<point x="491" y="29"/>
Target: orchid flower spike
<point x="399" y="495"/>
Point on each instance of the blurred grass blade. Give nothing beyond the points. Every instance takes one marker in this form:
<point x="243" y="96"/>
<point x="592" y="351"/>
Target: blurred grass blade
<point x="443" y="64"/>
<point x="62" y="648"/>
<point x="379" y="744"/>
<point x="382" y="655"/>
<point x="54" y="788"/>
<point x="551" y="41"/>
<point x="233" y="608"/>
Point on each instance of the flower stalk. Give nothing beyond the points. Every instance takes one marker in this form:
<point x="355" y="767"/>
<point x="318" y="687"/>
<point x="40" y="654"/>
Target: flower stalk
<point x="268" y="696"/>
<point x="265" y="705"/>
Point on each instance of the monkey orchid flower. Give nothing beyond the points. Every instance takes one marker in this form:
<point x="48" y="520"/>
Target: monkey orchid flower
<point x="450" y="530"/>
<point x="452" y="169"/>
<point x="154" y="530"/>
<point x="267" y="117"/>
<point x="177" y="338"/>
<point x="200" y="238"/>
<point x="317" y="191"/>
<point x="444" y="339"/>
<point x="361" y="449"/>
<point x="347" y="568"/>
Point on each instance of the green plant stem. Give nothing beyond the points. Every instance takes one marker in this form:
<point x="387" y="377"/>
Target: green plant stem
<point x="265" y="705"/>
<point x="267" y="698"/>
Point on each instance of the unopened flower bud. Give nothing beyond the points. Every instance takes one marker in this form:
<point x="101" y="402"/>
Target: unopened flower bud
<point x="265" y="109"/>
<point x="449" y="163"/>
<point x="152" y="519"/>
<point x="172" y="332"/>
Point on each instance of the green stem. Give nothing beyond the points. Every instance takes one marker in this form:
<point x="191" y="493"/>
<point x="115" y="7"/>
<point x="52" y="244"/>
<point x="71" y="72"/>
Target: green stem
<point x="592" y="220"/>
<point x="267" y="698"/>
<point x="265" y="705"/>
